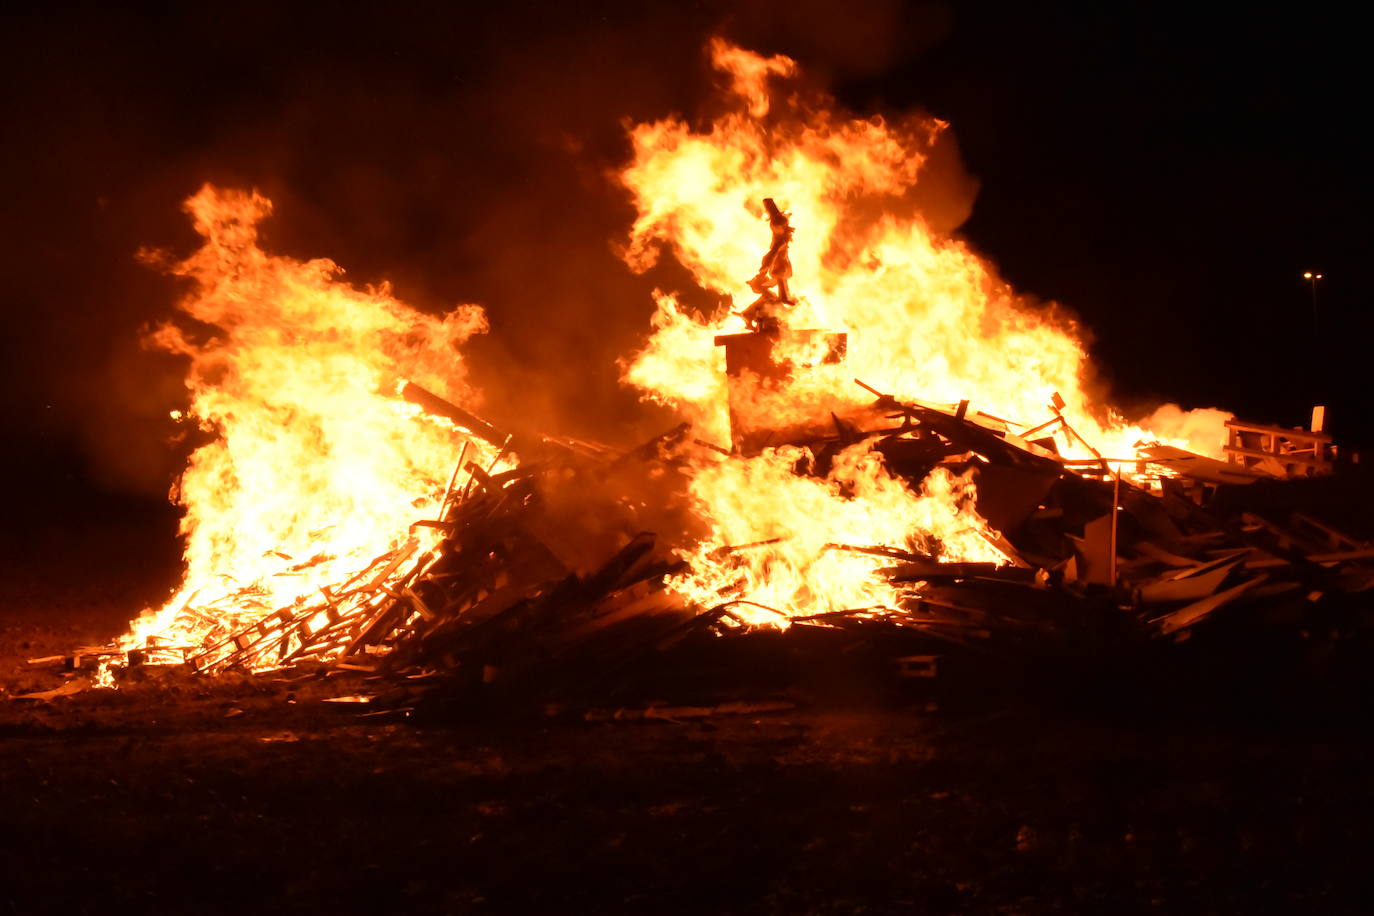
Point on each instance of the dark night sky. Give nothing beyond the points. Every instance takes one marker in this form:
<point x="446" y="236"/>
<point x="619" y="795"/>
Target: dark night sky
<point x="1167" y="174"/>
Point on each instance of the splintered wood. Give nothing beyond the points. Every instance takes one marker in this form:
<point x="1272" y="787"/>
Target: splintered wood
<point x="514" y="583"/>
<point x="540" y="575"/>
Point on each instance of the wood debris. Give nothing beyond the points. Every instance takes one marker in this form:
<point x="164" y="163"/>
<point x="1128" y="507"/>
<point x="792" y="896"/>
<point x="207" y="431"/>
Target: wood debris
<point x="527" y="597"/>
<point x="557" y="574"/>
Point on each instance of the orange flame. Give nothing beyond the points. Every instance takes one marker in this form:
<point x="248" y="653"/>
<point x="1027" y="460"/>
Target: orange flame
<point x="927" y="320"/>
<point x="783" y="541"/>
<point x="316" y="467"/>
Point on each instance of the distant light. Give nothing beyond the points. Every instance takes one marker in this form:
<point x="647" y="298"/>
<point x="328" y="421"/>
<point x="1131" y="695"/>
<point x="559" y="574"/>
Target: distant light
<point x="1307" y="276"/>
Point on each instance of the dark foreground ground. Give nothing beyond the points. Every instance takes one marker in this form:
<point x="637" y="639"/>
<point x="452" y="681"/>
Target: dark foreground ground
<point x="240" y="795"/>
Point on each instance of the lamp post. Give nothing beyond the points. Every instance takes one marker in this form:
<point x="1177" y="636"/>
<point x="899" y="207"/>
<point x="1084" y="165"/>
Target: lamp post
<point x="1312" y="278"/>
<point x="1319" y="367"/>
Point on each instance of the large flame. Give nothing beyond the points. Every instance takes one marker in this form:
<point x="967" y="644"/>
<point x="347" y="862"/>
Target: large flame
<point x="927" y="320"/>
<point x="315" y="470"/>
<point x="315" y="467"/>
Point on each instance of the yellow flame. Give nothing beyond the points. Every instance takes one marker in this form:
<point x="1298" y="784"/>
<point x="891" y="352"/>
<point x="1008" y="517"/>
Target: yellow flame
<point x="926" y="320"/>
<point x="315" y="466"/>
<point x="780" y="538"/>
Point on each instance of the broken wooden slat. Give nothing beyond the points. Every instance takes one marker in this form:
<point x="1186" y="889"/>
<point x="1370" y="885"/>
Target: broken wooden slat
<point x="1194" y="584"/>
<point x="1200" y="610"/>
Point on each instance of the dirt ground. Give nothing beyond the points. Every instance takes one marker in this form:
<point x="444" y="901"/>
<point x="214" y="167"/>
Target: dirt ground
<point x="254" y="795"/>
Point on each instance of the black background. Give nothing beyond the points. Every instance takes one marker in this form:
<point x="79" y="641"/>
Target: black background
<point x="1166" y="173"/>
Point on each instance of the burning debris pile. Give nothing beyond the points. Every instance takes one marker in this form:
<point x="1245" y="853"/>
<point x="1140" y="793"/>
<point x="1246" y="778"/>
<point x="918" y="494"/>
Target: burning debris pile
<point x="523" y="566"/>
<point x="340" y="516"/>
<point x="542" y="581"/>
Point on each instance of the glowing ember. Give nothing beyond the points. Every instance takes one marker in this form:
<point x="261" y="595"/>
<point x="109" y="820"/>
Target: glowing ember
<point x="316" y="468"/>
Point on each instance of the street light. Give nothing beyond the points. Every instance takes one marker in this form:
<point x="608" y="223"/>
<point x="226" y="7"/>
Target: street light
<point x="1312" y="278"/>
<point x="1319" y="364"/>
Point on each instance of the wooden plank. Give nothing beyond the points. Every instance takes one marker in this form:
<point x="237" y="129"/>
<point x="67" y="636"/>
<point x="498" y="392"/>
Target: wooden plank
<point x="432" y="403"/>
<point x="1190" y="587"/>
<point x="1284" y="457"/>
<point x="1297" y="434"/>
<point x="1200" y="610"/>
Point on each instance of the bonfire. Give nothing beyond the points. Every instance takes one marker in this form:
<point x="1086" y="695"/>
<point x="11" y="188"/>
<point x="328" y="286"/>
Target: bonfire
<point x="875" y="429"/>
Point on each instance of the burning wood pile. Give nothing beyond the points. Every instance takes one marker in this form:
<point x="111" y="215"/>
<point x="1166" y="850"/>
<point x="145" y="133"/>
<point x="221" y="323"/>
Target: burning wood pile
<point x="828" y="476"/>
<point x="525" y="594"/>
<point x="515" y="579"/>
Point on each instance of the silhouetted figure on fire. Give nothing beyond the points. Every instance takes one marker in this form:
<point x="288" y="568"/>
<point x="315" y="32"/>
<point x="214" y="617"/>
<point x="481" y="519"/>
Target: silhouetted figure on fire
<point x="771" y="280"/>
